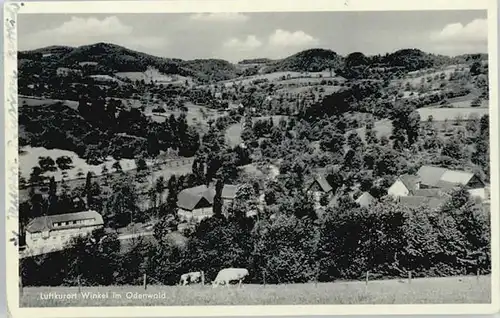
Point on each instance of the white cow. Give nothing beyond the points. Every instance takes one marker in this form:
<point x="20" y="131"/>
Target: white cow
<point x="192" y="277"/>
<point x="227" y="275"/>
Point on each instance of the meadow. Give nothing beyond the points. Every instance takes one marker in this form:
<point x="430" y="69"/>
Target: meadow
<point x="327" y="89"/>
<point x="29" y="158"/>
<point x="441" y="114"/>
<point x="154" y="75"/>
<point x="447" y="290"/>
<point x="39" y="101"/>
<point x="196" y="114"/>
<point x="233" y="134"/>
<point x="291" y="77"/>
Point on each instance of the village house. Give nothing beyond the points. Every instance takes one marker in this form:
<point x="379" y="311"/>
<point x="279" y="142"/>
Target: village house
<point x="432" y="185"/>
<point x="404" y="185"/>
<point x="52" y="232"/>
<point x="196" y="203"/>
<point x="434" y="181"/>
<point x="319" y="186"/>
<point x="365" y="200"/>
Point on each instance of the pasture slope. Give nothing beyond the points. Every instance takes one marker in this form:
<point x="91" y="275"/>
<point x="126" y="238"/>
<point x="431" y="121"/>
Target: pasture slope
<point x="446" y="290"/>
<point x="439" y="115"/>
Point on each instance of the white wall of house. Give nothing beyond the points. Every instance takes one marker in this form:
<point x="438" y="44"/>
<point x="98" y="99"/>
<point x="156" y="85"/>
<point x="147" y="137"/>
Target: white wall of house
<point x="202" y="213"/>
<point x="56" y="239"/>
<point x="317" y="195"/>
<point x="398" y="189"/>
<point x="479" y="193"/>
<point x="195" y="215"/>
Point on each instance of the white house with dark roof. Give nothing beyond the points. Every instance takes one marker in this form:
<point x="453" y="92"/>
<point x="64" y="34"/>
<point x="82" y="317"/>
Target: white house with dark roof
<point x="436" y="182"/>
<point x="446" y="179"/>
<point x="404" y="186"/>
<point x="49" y="233"/>
<point x="196" y="203"/>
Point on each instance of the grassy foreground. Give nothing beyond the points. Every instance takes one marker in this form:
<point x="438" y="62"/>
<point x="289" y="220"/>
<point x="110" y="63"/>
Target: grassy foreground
<point x="420" y="291"/>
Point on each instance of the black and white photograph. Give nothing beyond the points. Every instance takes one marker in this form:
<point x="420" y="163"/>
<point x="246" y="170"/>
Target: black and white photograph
<point x="253" y="158"/>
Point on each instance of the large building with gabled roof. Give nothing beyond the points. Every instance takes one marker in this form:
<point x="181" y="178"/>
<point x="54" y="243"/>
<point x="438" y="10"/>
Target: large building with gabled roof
<point x="49" y="233"/>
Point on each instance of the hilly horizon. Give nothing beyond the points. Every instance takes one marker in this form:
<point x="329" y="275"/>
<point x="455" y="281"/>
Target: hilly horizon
<point x="54" y="49"/>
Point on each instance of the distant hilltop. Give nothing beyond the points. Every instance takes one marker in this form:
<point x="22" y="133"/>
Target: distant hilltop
<point x="114" y="58"/>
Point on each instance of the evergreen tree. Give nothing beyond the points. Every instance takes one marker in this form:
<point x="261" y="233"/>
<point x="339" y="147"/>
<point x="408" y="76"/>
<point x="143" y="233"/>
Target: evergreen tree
<point x="217" y="205"/>
<point x="88" y="189"/>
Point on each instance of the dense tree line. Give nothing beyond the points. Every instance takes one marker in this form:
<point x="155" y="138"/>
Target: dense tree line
<point x="105" y="128"/>
<point x="293" y="245"/>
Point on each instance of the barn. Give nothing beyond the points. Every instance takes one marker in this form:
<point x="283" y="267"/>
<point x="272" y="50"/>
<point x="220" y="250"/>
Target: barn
<point x="431" y="181"/>
<point x="196" y="203"/>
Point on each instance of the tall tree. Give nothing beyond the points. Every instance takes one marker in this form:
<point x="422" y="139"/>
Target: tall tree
<point x="370" y="136"/>
<point x="160" y="188"/>
<point x="88" y="189"/>
<point x="121" y="207"/>
<point x="217" y="205"/>
<point x="173" y="191"/>
<point x="52" y="206"/>
<point x="405" y="122"/>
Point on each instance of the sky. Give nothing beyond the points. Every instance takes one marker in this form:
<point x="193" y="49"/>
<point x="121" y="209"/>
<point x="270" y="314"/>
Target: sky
<point x="236" y="36"/>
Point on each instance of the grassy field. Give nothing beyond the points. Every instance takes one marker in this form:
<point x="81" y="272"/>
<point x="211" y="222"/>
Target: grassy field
<point x="29" y="159"/>
<point x="328" y="89"/>
<point x="38" y="101"/>
<point x="421" y="291"/>
<point x="381" y="128"/>
<point x="440" y="114"/>
<point x="416" y="80"/>
<point x="167" y="169"/>
<point x="277" y="76"/>
<point x="233" y="134"/>
<point x="154" y="75"/>
<point x="196" y="114"/>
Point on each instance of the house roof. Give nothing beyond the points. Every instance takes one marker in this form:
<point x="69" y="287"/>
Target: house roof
<point x="46" y="223"/>
<point x="409" y="181"/>
<point x="429" y="175"/>
<point x="365" y="199"/>
<point x="188" y="198"/>
<point x="229" y="191"/>
<point x="437" y="177"/>
<point x="418" y="201"/>
<point x="428" y="192"/>
<point x="323" y="184"/>
<point x="446" y="185"/>
<point x="457" y="177"/>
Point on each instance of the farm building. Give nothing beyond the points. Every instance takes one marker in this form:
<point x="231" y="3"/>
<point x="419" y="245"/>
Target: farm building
<point x="365" y="200"/>
<point x="404" y="185"/>
<point x="197" y="202"/>
<point x="435" y="181"/>
<point x="319" y="186"/>
<point x="52" y="232"/>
